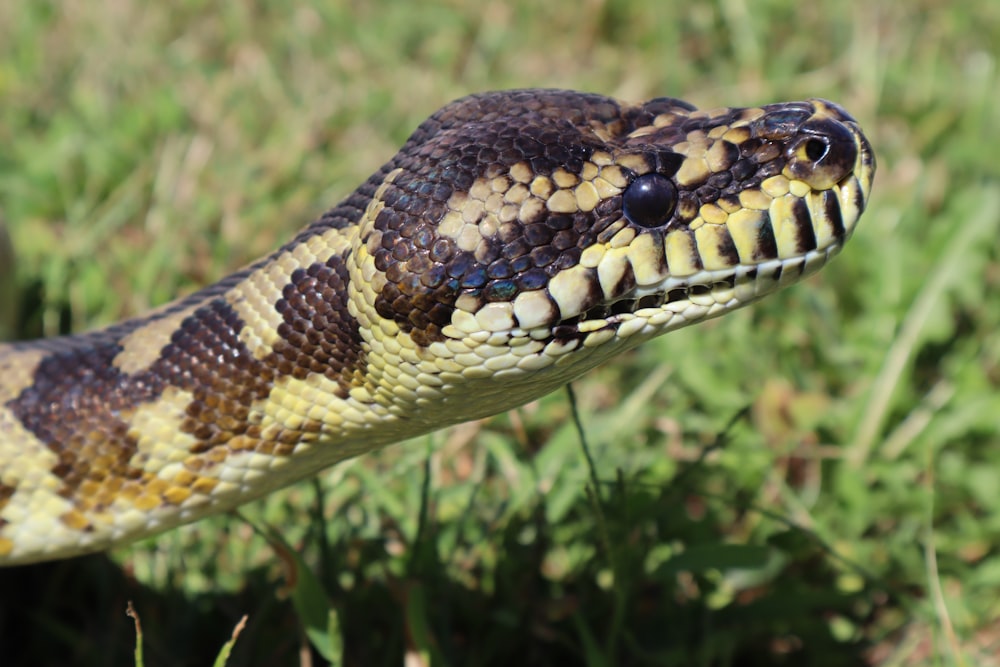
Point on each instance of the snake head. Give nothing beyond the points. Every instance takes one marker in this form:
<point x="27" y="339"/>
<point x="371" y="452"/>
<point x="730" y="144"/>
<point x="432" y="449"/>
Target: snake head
<point x="572" y="219"/>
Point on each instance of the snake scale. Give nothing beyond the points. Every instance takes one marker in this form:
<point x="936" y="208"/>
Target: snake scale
<point x="516" y="240"/>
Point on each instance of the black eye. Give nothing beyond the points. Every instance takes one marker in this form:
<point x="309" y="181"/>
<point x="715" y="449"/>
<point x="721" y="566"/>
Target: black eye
<point x="649" y="200"/>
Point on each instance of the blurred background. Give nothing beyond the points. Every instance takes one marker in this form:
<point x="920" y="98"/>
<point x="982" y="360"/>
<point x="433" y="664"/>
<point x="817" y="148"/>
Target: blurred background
<point x="814" y="480"/>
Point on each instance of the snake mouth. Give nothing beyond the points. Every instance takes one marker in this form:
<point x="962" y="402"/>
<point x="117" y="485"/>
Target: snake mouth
<point x="699" y="297"/>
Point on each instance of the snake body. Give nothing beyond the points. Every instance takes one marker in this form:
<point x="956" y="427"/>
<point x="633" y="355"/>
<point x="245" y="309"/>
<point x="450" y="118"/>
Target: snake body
<point x="516" y="240"/>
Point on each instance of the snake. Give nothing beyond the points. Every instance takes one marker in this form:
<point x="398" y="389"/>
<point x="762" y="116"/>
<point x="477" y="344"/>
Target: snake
<point x="517" y="239"/>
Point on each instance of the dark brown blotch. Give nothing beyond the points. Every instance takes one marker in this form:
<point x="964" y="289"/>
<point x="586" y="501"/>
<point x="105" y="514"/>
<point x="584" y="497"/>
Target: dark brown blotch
<point x="766" y="246"/>
<point x="804" y="226"/>
<point x="75" y="406"/>
<point x="727" y="249"/>
<point x="79" y="403"/>
<point x="318" y="334"/>
<point x="831" y="207"/>
<point x="6" y="493"/>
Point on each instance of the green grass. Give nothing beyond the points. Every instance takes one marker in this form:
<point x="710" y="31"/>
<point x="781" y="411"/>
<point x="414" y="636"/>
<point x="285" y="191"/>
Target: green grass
<point x="815" y="480"/>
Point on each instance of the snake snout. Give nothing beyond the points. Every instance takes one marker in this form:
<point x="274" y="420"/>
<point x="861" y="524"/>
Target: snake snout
<point x="824" y="152"/>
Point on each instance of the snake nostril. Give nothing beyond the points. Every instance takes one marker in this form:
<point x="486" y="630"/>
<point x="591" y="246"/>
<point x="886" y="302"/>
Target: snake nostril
<point x="822" y="155"/>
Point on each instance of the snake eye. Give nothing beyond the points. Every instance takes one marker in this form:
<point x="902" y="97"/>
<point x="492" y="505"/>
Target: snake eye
<point x="649" y="200"/>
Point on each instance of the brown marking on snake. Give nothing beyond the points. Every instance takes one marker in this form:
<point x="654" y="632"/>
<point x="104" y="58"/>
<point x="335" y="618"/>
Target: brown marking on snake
<point x="142" y="347"/>
<point x="318" y="334"/>
<point x="80" y="404"/>
<point x="6" y="492"/>
<point x="75" y="406"/>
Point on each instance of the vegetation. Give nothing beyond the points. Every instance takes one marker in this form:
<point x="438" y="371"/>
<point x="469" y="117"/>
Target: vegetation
<point x="814" y="480"/>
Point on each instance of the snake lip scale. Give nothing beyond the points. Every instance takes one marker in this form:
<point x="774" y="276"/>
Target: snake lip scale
<point x="517" y="239"/>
